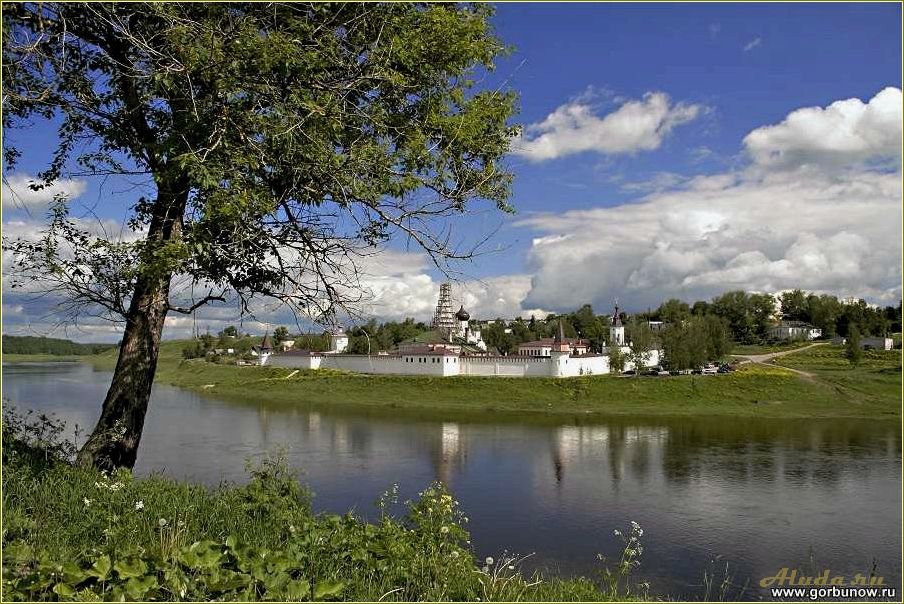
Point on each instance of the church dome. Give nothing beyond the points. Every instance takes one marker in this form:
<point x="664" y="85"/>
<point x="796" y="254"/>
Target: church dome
<point x="462" y="314"/>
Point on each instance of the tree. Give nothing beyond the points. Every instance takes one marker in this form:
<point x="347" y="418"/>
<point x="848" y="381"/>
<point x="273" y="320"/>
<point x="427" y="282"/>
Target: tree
<point x="640" y="344"/>
<point x="795" y="306"/>
<point x="616" y="359"/>
<point x="229" y="332"/>
<point x="852" y="351"/>
<point x="282" y="143"/>
<point x="673" y="311"/>
<point x="280" y="335"/>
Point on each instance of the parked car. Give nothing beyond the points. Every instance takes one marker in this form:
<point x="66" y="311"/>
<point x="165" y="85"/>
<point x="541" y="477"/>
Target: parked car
<point x="710" y="370"/>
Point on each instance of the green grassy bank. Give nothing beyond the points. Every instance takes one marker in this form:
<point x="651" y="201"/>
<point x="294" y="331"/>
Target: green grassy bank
<point x="871" y="390"/>
<point x="74" y="534"/>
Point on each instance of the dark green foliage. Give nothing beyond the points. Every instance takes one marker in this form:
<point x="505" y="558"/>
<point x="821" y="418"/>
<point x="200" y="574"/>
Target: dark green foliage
<point x="852" y="351"/>
<point x="52" y="346"/>
<point x="280" y="334"/>
<point x="697" y="340"/>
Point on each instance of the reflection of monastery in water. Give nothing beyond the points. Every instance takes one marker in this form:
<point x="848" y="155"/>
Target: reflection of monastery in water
<point x="455" y="347"/>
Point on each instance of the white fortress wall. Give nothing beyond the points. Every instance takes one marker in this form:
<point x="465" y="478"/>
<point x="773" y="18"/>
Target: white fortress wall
<point x="438" y="365"/>
<point x="513" y="366"/>
<point x="450" y="365"/>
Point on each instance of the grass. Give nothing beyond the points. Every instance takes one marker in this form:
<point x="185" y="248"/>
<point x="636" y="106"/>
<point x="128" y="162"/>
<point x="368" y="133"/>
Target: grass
<point x="876" y="380"/>
<point x="745" y="349"/>
<point x="71" y="533"/>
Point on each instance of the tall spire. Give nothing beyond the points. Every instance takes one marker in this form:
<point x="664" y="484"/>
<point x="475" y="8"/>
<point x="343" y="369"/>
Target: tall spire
<point x="616" y="317"/>
<point x="443" y="318"/>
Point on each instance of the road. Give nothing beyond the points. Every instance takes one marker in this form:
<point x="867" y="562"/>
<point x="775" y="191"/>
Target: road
<point x="764" y="359"/>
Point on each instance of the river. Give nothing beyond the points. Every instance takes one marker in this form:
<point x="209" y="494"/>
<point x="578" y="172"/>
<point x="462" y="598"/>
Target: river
<point x="756" y="495"/>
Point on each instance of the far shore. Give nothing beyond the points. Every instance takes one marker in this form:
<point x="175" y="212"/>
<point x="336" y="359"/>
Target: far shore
<point x="827" y="388"/>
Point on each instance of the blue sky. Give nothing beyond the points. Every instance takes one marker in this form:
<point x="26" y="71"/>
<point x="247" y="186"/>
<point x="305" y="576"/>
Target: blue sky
<point x="661" y="157"/>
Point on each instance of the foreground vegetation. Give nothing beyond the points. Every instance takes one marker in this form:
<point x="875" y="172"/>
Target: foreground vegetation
<point x="76" y="534"/>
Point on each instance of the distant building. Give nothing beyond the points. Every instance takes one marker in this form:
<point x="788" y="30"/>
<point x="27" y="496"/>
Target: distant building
<point x="869" y="342"/>
<point x="544" y="346"/>
<point x="264" y="351"/>
<point x="338" y="340"/>
<point x="616" y="329"/>
<point x="794" y="330"/>
<point x="286" y="345"/>
<point x="656" y="325"/>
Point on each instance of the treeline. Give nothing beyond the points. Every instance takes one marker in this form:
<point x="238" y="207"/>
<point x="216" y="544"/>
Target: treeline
<point x="52" y="346"/>
<point x="699" y="331"/>
<point x="382" y="336"/>
<point x="837" y="318"/>
<point x="750" y="316"/>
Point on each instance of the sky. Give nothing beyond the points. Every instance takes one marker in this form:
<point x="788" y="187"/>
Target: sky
<point x="667" y="151"/>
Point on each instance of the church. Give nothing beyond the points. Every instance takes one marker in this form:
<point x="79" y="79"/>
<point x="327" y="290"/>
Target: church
<point x="454" y="347"/>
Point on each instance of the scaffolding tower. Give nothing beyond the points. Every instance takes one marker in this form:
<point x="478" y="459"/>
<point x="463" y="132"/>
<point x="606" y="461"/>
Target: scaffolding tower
<point x="443" y="318"/>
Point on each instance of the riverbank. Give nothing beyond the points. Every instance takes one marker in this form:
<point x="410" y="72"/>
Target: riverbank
<point x="836" y="390"/>
<point x="76" y="534"/>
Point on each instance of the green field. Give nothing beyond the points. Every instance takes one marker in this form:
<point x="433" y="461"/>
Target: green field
<point x="872" y="390"/>
<point x="745" y="349"/>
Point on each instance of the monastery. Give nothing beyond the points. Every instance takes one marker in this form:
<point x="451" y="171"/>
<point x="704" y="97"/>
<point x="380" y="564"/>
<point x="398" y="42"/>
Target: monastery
<point x="453" y="347"/>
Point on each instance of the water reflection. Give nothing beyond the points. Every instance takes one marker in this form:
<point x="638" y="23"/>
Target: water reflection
<point x="759" y="493"/>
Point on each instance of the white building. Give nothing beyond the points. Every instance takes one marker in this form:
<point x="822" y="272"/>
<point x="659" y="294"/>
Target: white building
<point x="442" y="360"/>
<point x="869" y="342"/>
<point x="543" y="347"/>
<point x="794" y="330"/>
<point x="264" y="351"/>
<point x="338" y="341"/>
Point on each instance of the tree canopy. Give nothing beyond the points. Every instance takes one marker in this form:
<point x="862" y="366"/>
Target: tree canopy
<point x="282" y="143"/>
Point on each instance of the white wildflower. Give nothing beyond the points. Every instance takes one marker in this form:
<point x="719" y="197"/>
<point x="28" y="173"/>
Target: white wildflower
<point x="444" y="530"/>
<point x="511" y="567"/>
<point x="139" y="505"/>
<point x="87" y="502"/>
<point x="455" y="553"/>
<point x="489" y="560"/>
<point x="292" y="528"/>
<point x="162" y="522"/>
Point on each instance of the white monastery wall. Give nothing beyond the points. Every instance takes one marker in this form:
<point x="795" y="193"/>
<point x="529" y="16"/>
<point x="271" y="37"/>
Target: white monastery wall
<point x="449" y="365"/>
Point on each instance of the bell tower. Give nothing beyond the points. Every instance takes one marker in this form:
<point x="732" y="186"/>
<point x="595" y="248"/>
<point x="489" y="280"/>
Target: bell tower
<point x="616" y="329"/>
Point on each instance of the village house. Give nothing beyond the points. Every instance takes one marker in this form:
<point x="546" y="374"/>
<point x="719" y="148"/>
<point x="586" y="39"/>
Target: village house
<point x="794" y="330"/>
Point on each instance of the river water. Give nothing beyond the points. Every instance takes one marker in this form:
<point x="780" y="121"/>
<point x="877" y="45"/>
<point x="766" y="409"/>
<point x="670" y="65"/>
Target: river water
<point x="756" y="495"/>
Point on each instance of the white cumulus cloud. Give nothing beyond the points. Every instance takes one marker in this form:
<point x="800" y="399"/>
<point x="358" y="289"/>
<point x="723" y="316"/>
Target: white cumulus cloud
<point x="17" y="192"/>
<point x="819" y="208"/>
<point x="845" y="132"/>
<point x="636" y="125"/>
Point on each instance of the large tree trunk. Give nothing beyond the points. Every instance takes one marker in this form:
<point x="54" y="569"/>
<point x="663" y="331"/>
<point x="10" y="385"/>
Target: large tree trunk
<point x="114" y="441"/>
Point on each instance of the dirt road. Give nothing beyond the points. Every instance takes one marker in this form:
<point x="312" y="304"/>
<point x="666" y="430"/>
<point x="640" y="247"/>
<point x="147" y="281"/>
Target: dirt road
<point x="765" y="359"/>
